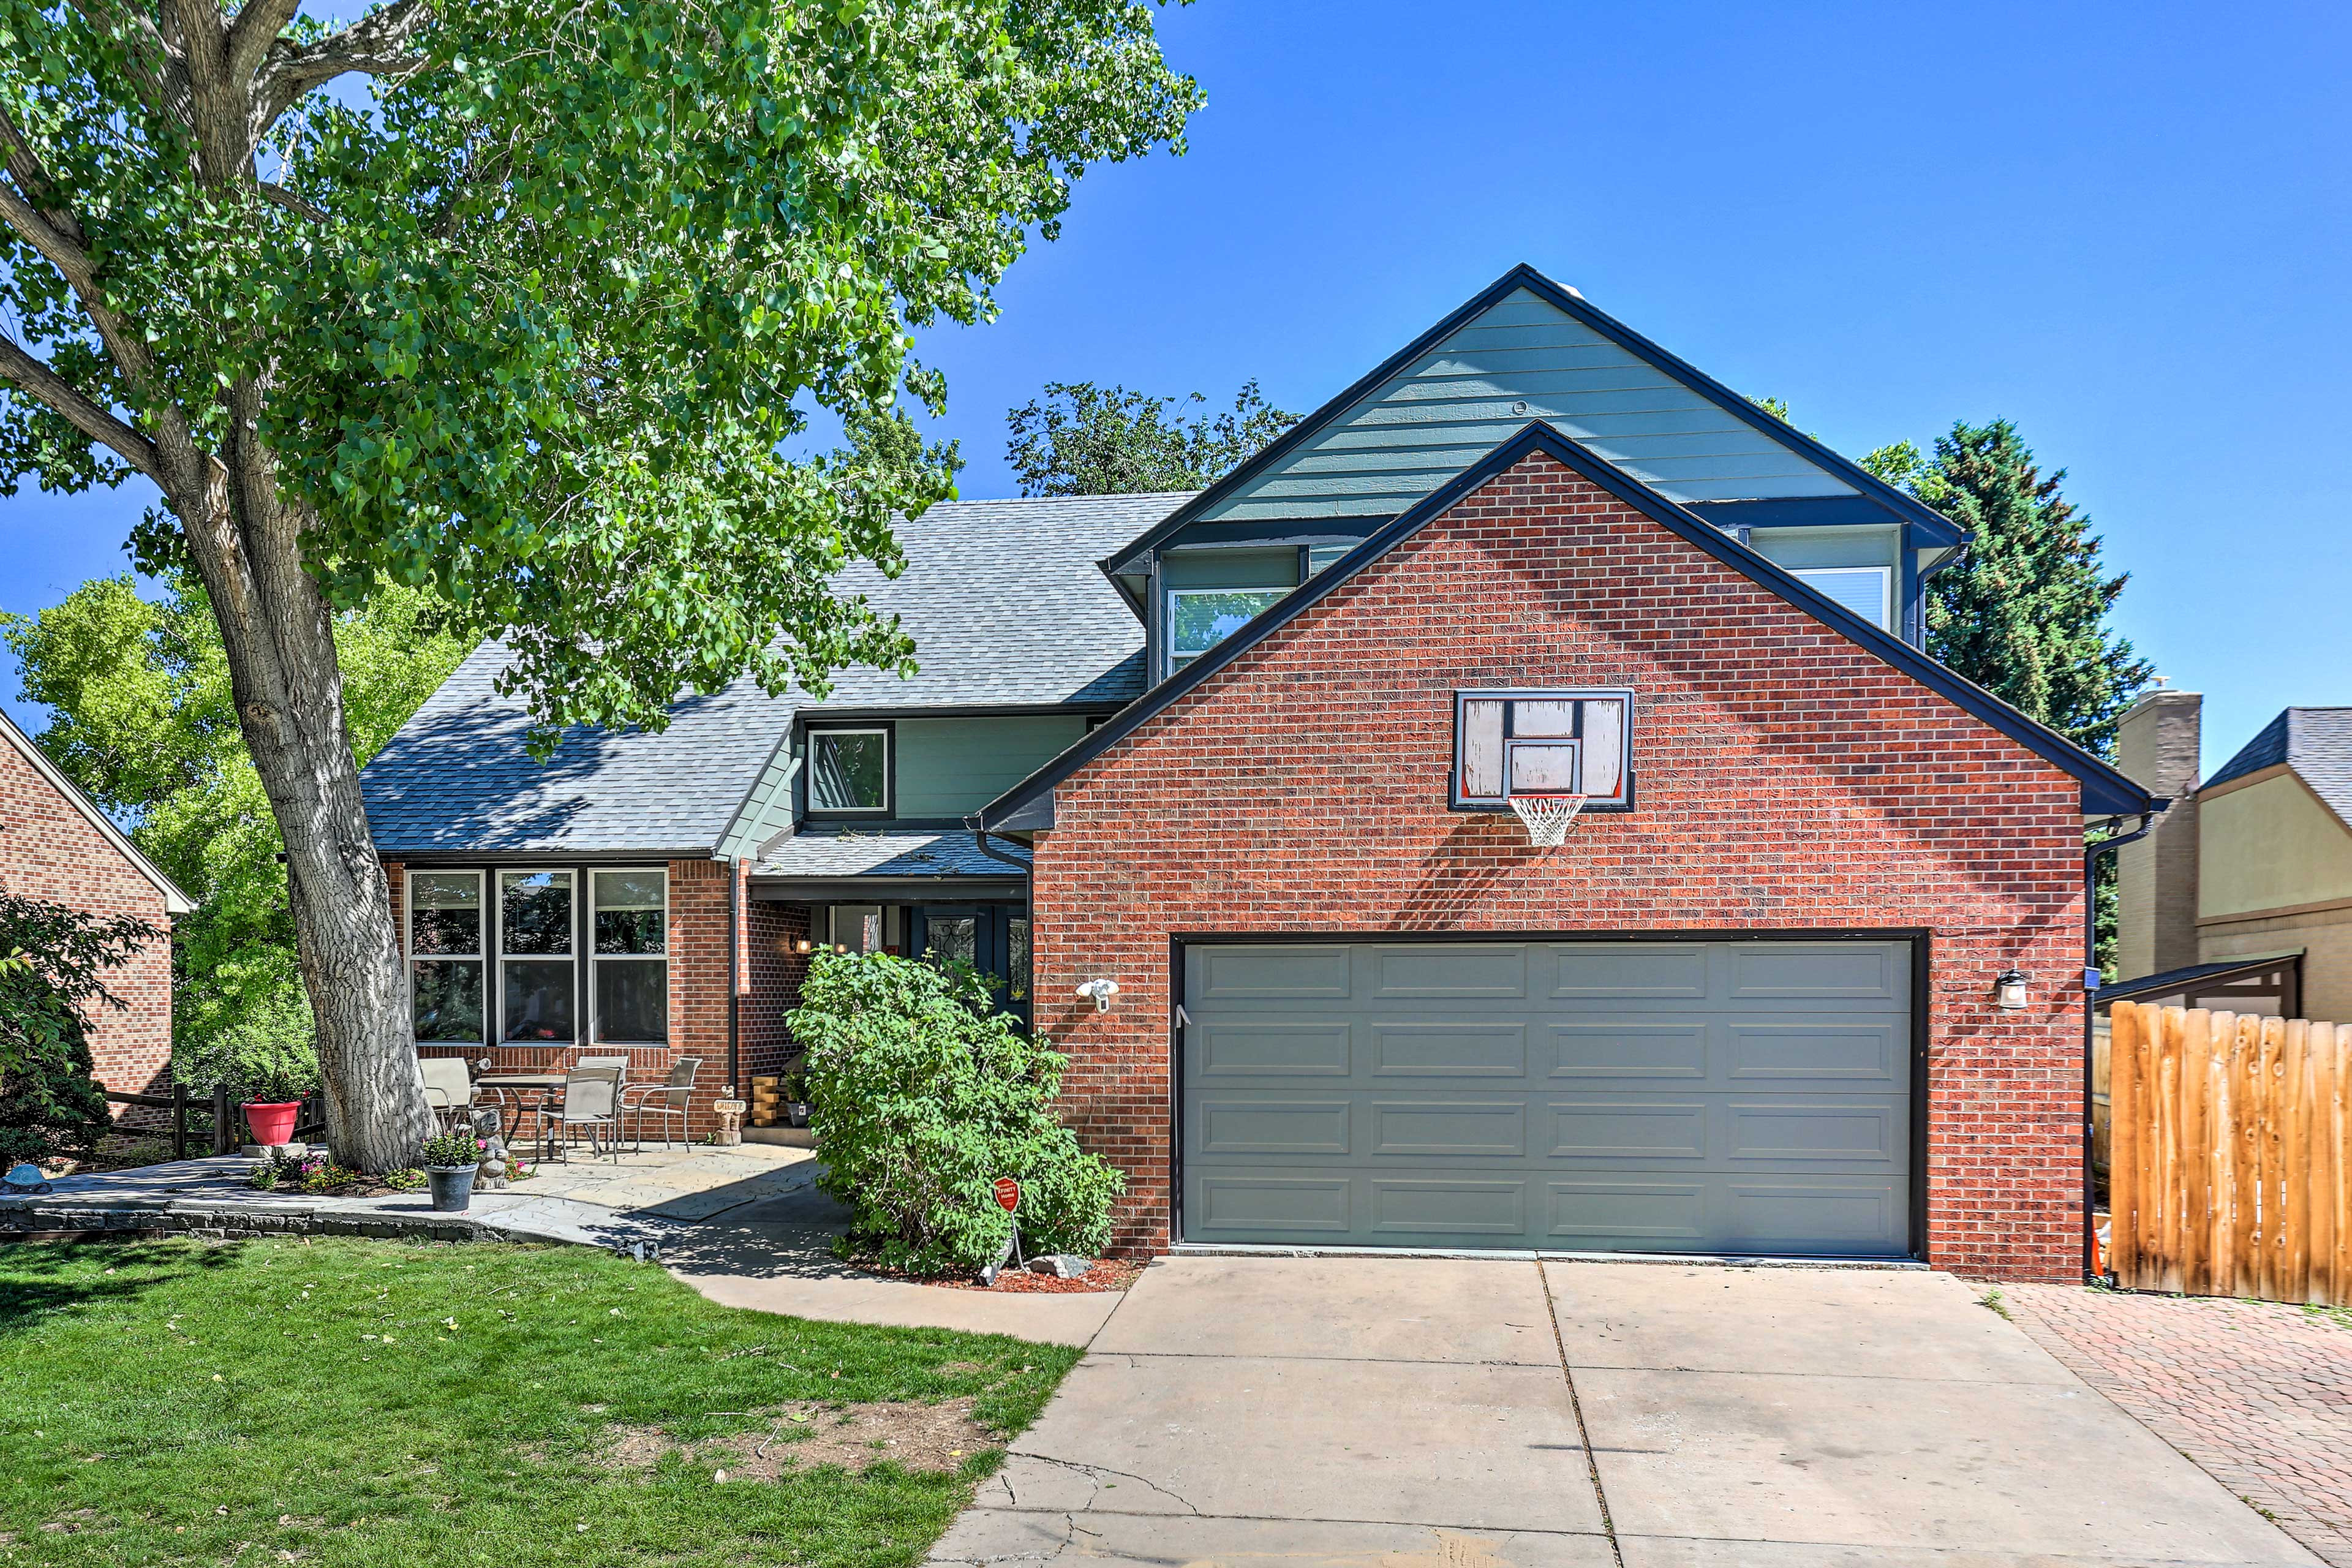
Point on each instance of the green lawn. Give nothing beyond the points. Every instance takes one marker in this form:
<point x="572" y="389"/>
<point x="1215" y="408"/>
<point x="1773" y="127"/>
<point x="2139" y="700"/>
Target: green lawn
<point x="270" y="1401"/>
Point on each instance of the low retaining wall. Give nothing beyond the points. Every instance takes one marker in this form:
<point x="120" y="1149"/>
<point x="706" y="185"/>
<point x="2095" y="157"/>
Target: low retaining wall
<point x="39" y="1220"/>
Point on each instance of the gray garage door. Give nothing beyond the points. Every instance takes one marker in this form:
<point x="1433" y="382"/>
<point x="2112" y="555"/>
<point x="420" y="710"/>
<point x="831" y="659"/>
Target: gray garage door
<point x="1650" y="1097"/>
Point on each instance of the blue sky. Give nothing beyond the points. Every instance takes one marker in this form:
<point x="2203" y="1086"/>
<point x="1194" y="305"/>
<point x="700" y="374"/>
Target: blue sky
<point x="2125" y="228"/>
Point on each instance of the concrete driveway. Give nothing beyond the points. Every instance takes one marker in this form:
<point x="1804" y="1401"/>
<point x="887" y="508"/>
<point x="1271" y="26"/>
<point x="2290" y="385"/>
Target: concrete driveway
<point x="1390" y="1413"/>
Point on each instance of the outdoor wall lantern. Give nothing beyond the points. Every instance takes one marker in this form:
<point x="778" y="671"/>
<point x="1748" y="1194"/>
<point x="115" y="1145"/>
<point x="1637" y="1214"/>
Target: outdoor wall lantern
<point x="2008" y="991"/>
<point x="1100" y="992"/>
<point x="802" y="945"/>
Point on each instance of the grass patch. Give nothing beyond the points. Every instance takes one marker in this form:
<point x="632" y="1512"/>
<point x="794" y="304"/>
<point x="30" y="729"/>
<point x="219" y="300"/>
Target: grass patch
<point x="359" y="1403"/>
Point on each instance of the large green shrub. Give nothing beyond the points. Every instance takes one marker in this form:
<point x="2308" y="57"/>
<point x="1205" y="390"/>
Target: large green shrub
<point x="922" y="1096"/>
<point x="50" y="961"/>
<point x="269" y="1056"/>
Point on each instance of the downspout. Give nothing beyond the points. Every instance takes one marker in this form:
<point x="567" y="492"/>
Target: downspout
<point x="736" y="878"/>
<point x="980" y="836"/>
<point x="2091" y="853"/>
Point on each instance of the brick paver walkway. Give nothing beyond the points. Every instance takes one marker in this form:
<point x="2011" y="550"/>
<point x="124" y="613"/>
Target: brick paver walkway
<point x="2259" y="1394"/>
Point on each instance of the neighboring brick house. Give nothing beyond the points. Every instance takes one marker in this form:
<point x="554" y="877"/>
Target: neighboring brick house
<point x="1257" y="746"/>
<point x="56" y="844"/>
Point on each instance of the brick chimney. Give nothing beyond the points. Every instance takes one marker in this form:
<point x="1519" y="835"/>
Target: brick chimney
<point x="2155" y="905"/>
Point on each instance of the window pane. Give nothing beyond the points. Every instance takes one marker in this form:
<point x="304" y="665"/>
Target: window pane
<point x="953" y="937"/>
<point x="848" y="770"/>
<point x="629" y="913"/>
<point x="1200" y="620"/>
<point x="1017" y="939"/>
<point x="632" y="1001"/>
<point x="444" y="911"/>
<point x="447" y="1000"/>
<point x="538" y="999"/>
<point x="535" y="911"/>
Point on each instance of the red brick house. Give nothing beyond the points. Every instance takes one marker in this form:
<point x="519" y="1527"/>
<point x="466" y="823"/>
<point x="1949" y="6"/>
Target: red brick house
<point x="1250" y="756"/>
<point x="56" y="844"/>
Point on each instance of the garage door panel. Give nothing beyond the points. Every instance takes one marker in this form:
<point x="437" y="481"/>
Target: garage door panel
<point x="1271" y="1047"/>
<point x="1449" y="1129"/>
<point x="1448" y="1048"/>
<point x="1624" y="1050"/>
<point x="1448" y="970"/>
<point x="1229" y="1125"/>
<point x="1731" y="1097"/>
<point x="1406" y="1206"/>
<point x="1629" y="970"/>
<point x="1229" y="973"/>
<point x="1648" y="1131"/>
<point x="1606" y="1215"/>
<point x="1245" y="1206"/>
<point x="1785" y="1133"/>
<point x="1814" y="972"/>
<point x="1856" y="1053"/>
<point x="1815" y="1215"/>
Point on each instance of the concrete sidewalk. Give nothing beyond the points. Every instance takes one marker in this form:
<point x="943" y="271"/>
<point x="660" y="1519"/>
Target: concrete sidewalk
<point x="1458" y="1413"/>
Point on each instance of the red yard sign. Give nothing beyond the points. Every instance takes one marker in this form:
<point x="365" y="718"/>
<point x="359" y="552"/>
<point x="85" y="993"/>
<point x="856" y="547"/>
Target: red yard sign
<point x="1008" y="1194"/>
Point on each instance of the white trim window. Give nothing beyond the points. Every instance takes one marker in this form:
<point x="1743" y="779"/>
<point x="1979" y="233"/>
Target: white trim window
<point x="538" y="981"/>
<point x="445" y="956"/>
<point x="1867" y="590"/>
<point x="1201" y="618"/>
<point x="628" y="962"/>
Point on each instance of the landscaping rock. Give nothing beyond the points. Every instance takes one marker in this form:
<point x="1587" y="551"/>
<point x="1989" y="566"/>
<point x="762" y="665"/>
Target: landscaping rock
<point x="1060" y="1265"/>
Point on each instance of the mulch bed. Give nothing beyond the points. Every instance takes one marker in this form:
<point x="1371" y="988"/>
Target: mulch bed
<point x="1107" y="1274"/>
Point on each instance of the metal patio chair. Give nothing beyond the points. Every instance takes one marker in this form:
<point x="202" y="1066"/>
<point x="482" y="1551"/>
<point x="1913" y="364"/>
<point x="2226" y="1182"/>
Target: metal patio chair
<point x="663" y="1100"/>
<point x="449" y="1089"/>
<point x="590" y="1097"/>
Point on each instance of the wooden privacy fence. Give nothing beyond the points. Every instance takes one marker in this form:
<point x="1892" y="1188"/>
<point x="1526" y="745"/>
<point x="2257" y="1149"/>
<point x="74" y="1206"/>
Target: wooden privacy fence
<point x="2231" y="1170"/>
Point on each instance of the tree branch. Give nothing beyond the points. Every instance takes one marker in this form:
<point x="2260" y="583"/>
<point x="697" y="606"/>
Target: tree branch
<point x="257" y="24"/>
<point x="59" y="249"/>
<point x="382" y="43"/>
<point x="79" y="410"/>
<point x="292" y="202"/>
<point x="162" y="74"/>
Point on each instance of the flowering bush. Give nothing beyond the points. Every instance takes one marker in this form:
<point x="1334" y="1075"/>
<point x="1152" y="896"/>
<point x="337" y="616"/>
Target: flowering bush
<point x="407" y="1179"/>
<point x="923" y="1096"/>
<point x="312" y="1173"/>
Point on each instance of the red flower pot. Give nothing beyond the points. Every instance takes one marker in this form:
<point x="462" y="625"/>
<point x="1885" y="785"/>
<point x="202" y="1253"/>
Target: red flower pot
<point x="272" y="1124"/>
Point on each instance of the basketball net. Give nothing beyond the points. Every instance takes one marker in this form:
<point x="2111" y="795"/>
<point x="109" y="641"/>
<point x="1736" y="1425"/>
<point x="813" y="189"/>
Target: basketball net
<point x="1547" y="817"/>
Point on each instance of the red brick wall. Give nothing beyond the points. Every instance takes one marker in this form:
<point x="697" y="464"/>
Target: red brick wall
<point x="49" y="850"/>
<point x="698" y="994"/>
<point x="773" y="981"/>
<point x="1786" y="780"/>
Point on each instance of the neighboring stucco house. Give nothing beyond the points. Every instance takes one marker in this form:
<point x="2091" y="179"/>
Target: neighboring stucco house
<point x="2250" y="866"/>
<point x="1247" y="754"/>
<point x="56" y="844"/>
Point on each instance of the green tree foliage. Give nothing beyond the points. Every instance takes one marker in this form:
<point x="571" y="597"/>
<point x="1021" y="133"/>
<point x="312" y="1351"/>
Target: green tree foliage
<point x="922" y="1097"/>
<point x="529" y="324"/>
<point x="1081" y="440"/>
<point x="142" y="718"/>
<point x="2024" y="614"/>
<point x="52" y="964"/>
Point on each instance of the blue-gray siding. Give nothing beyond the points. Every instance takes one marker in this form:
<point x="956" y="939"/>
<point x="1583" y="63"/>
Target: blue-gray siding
<point x="948" y="767"/>
<point x="1457" y="403"/>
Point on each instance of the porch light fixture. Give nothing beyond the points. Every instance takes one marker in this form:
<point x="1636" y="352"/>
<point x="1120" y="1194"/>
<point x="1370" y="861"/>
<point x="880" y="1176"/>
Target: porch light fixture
<point x="1100" y="992"/>
<point x="2008" y="991"/>
<point x="802" y="945"/>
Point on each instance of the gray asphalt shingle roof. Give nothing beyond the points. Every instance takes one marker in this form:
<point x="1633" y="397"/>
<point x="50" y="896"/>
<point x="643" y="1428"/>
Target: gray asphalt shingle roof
<point x="852" y="853"/>
<point x="2316" y="743"/>
<point x="1003" y="599"/>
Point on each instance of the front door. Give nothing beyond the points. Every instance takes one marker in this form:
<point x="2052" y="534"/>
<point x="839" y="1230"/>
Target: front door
<point x="992" y="938"/>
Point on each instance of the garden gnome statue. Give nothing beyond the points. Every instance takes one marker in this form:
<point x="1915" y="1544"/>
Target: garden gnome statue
<point x="491" y="1174"/>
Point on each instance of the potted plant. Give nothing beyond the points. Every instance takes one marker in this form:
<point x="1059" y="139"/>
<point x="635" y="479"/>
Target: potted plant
<point x="276" y="1075"/>
<point x="450" y="1160"/>
<point x="796" y="1102"/>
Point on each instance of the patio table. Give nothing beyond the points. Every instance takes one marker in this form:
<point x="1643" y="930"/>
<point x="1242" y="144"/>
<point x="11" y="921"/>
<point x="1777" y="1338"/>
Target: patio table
<point x="542" y="1084"/>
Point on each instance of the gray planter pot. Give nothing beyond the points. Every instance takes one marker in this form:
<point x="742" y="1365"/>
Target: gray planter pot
<point x="453" y="1186"/>
<point x="797" y="1113"/>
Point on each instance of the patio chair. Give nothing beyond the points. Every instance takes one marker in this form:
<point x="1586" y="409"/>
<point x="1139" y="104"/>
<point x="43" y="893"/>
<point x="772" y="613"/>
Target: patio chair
<point x="663" y="1100"/>
<point x="448" y="1090"/>
<point x="590" y="1095"/>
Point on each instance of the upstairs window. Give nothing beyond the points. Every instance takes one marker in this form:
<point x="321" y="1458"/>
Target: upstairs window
<point x="1867" y="590"/>
<point x="849" y="771"/>
<point x="1201" y="618"/>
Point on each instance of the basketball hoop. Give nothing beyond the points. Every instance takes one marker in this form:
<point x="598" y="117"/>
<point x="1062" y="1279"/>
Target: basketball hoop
<point x="1547" y="817"/>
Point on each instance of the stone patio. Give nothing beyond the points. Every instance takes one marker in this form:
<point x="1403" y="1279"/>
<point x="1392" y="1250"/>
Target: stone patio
<point x="648" y="1195"/>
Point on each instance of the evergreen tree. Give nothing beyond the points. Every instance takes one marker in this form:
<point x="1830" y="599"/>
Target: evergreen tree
<point x="2024" y="611"/>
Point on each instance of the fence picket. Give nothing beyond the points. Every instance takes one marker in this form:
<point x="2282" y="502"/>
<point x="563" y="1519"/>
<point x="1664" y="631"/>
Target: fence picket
<point x="2167" y="1226"/>
<point x="2194" y="1222"/>
<point x="2246" y="1138"/>
<point x="2125" y="1098"/>
<point x="2340" y="1118"/>
<point x="2321" y="1179"/>
<point x="2295" y="1163"/>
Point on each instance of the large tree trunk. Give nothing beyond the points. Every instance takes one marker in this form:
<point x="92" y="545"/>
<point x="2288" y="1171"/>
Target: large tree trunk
<point x="279" y="631"/>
